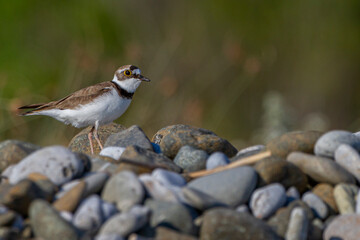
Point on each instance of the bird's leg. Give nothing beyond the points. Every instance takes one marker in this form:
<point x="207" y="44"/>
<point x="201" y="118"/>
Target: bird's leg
<point x="90" y="140"/>
<point x="97" y="136"/>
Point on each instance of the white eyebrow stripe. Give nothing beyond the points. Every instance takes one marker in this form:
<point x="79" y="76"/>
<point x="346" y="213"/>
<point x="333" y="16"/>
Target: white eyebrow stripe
<point x="136" y="71"/>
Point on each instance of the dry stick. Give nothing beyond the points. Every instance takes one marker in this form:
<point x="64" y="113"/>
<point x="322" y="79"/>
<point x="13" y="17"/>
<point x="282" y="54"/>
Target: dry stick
<point x="241" y="162"/>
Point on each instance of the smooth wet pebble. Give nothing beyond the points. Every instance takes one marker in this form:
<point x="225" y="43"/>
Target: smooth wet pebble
<point x="217" y="159"/>
<point x="316" y="204"/>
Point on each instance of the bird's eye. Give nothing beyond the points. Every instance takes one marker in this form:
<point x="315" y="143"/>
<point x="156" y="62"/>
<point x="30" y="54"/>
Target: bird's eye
<point x="127" y="73"/>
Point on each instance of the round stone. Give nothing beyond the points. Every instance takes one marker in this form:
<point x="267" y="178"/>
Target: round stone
<point x="349" y="158"/>
<point x="266" y="200"/>
<point x="169" y="178"/>
<point x="301" y="141"/>
<point x="274" y="169"/>
<point x="57" y="163"/>
<point x="232" y="187"/>
<point x="80" y="143"/>
<point x="191" y="159"/>
<point x="298" y="225"/>
<point x="89" y="216"/>
<point x="133" y="136"/>
<point x="47" y="223"/>
<point x="345" y="195"/>
<point x="330" y="141"/>
<point x="320" y="169"/>
<point x="217" y="159"/>
<point x="124" y="189"/>
<point x="223" y="223"/>
<point x="343" y="227"/>
<point x="172" y="138"/>
<point x="326" y="193"/>
<point x="316" y="204"/>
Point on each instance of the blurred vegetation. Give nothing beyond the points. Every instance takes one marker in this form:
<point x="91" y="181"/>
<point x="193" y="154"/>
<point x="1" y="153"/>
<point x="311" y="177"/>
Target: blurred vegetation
<point x="248" y="70"/>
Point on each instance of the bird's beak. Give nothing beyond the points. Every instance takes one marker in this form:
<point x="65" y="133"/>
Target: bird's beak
<point x="144" y="79"/>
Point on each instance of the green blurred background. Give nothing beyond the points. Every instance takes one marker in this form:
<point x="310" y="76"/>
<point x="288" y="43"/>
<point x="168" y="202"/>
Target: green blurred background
<point x="248" y="70"/>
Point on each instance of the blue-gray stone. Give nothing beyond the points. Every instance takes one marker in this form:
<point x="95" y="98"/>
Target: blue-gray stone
<point x="133" y="136"/>
<point x="191" y="159"/>
<point x="316" y="204"/>
<point x="326" y="145"/>
<point x="89" y="216"/>
<point x="217" y="159"/>
<point x="266" y="200"/>
<point x="232" y="187"/>
<point x="349" y="158"/>
<point x="169" y="178"/>
<point x="57" y="163"/>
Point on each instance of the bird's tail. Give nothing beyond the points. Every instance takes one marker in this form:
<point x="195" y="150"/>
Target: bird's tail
<point x="35" y="107"/>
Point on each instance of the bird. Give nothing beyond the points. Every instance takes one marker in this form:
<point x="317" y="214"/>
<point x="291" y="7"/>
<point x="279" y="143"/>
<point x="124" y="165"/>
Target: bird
<point x="94" y="105"/>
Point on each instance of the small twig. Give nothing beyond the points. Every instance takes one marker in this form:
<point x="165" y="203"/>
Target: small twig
<point x="241" y="162"/>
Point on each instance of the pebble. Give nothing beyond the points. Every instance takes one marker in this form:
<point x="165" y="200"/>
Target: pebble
<point x="349" y="158"/>
<point x="80" y="143"/>
<point x="7" y="218"/>
<point x="266" y="200"/>
<point x="47" y="223"/>
<point x="199" y="200"/>
<point x="156" y="190"/>
<point x="330" y="141"/>
<point x="124" y="189"/>
<point x="100" y="165"/>
<point x="301" y="141"/>
<point x="323" y="170"/>
<point x="109" y="237"/>
<point x="345" y="195"/>
<point x="274" y="169"/>
<point x="13" y="151"/>
<point x="223" y="223"/>
<point x="171" y="214"/>
<point x="163" y="233"/>
<point x="68" y="216"/>
<point x="137" y="169"/>
<point x="142" y="156"/>
<point x="57" y="163"/>
<point x="112" y="152"/>
<point x="316" y="204"/>
<point x="243" y="209"/>
<point x="217" y="159"/>
<point x="89" y="215"/>
<point x="168" y="178"/>
<point x="108" y="210"/>
<point x="19" y="196"/>
<point x="71" y="199"/>
<point x="343" y="227"/>
<point x="134" y="135"/>
<point x="95" y="181"/>
<point x="326" y="193"/>
<point x="292" y="194"/>
<point x="232" y="187"/>
<point x="298" y="225"/>
<point x="172" y="138"/>
<point x="123" y="224"/>
<point x="191" y="159"/>
<point x="280" y="221"/>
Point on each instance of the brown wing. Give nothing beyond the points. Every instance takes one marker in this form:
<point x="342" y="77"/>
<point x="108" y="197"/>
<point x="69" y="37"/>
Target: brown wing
<point x="82" y="96"/>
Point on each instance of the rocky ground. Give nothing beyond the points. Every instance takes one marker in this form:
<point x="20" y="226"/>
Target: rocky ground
<point x="139" y="189"/>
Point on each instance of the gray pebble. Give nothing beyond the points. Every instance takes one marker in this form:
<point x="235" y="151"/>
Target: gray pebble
<point x="95" y="181"/>
<point x="266" y="200"/>
<point x="217" y="159"/>
<point x="68" y="216"/>
<point x="344" y="195"/>
<point x="316" y="204"/>
<point x="168" y="178"/>
<point x="358" y="203"/>
<point x="125" y="223"/>
<point x="327" y="144"/>
<point x="199" y="200"/>
<point x="157" y="190"/>
<point x="108" y="210"/>
<point x="191" y="159"/>
<point x="133" y="136"/>
<point x="292" y="194"/>
<point x="89" y="215"/>
<point x="57" y="163"/>
<point x="298" y="225"/>
<point x="124" y="189"/>
<point x="232" y="187"/>
<point x="112" y="152"/>
<point x="243" y="209"/>
<point x="109" y="237"/>
<point x="99" y="165"/>
<point x="349" y="158"/>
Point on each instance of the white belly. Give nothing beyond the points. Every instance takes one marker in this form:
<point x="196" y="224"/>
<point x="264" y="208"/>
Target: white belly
<point x="104" y="109"/>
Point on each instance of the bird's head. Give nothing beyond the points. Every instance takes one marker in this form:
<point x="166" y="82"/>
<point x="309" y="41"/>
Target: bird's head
<point x="129" y="78"/>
